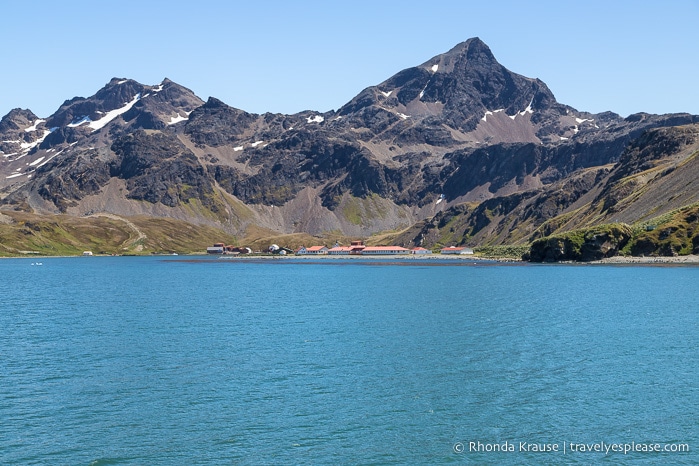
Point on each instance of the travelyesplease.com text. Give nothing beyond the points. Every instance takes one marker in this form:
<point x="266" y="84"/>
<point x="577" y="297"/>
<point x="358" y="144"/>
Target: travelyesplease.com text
<point x="569" y="447"/>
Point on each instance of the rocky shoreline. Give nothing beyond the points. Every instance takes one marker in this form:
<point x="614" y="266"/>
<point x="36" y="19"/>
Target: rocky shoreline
<point x="689" y="259"/>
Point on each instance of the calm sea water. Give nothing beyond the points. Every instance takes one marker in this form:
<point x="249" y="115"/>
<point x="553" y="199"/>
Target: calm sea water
<point x="169" y="361"/>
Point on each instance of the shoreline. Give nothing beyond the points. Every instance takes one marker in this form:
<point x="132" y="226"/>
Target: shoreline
<point x="689" y="259"/>
<point x="332" y="257"/>
<point x="616" y="260"/>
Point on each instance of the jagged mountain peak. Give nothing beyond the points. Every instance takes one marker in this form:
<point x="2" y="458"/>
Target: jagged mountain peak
<point x="117" y="91"/>
<point x="148" y="107"/>
<point x="473" y="49"/>
<point x="213" y="102"/>
<point x="123" y="103"/>
<point x="471" y="93"/>
<point x="116" y="81"/>
<point x="474" y="46"/>
<point x="17" y="119"/>
<point x="20" y="132"/>
<point x="114" y="95"/>
<point x="214" y="107"/>
<point x="469" y="74"/>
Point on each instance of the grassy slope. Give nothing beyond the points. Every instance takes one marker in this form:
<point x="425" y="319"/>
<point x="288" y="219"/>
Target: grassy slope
<point x="259" y="239"/>
<point x="55" y="235"/>
<point x="675" y="233"/>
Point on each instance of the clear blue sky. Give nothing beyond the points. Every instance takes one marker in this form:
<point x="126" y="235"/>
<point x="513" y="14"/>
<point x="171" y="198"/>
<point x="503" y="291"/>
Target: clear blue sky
<point x="281" y="56"/>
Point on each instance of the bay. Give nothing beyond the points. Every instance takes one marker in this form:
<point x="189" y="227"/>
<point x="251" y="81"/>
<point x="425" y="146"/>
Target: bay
<point x="165" y="360"/>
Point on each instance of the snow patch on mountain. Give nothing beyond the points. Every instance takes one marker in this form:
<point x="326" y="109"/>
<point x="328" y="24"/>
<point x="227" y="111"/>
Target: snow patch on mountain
<point x="27" y="146"/>
<point x="315" y="119"/>
<point x="109" y="116"/>
<point x="83" y="119"/>
<point x="50" y="158"/>
<point x="178" y="118"/>
<point x="525" y="111"/>
<point x="37" y="161"/>
<point x="422" y="92"/>
<point x="488" y="112"/>
<point x="33" y="127"/>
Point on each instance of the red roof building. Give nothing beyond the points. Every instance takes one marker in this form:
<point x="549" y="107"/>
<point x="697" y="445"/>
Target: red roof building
<point x="339" y="250"/>
<point x="313" y="250"/>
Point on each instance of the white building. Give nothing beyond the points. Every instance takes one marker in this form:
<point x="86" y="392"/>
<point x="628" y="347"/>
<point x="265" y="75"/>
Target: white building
<point x="384" y="250"/>
<point x="340" y="250"/>
<point x="456" y="250"/>
<point x="313" y="250"/>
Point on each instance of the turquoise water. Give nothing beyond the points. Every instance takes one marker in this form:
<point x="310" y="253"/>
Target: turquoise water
<point x="171" y="361"/>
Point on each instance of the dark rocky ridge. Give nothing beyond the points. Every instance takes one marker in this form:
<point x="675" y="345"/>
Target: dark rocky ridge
<point x="504" y="159"/>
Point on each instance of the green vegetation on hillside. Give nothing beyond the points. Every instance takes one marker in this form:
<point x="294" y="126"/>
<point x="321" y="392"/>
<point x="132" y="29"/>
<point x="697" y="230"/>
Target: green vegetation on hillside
<point x="63" y="235"/>
<point x="671" y="234"/>
<point x="501" y="252"/>
<point x="358" y="209"/>
<point x="584" y="244"/>
<point x="675" y="233"/>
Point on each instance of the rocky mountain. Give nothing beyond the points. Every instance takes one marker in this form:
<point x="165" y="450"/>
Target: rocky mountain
<point x="457" y="150"/>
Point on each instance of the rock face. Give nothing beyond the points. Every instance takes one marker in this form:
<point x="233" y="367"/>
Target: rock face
<point x="458" y="149"/>
<point x="159" y="168"/>
<point x="466" y="90"/>
<point x="581" y="245"/>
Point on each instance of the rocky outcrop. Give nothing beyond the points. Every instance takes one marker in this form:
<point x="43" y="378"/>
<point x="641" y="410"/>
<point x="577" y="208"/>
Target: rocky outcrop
<point x="215" y="124"/>
<point x="677" y="233"/>
<point x="18" y="119"/>
<point x="581" y="245"/>
<point x="19" y="129"/>
<point x="81" y="175"/>
<point x="159" y="168"/>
